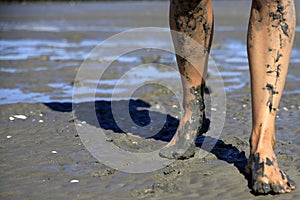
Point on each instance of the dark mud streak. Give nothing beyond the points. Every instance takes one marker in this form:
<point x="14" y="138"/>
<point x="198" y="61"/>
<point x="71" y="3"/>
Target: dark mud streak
<point x="272" y="92"/>
<point x="282" y="175"/>
<point x="197" y="105"/>
<point x="192" y="127"/>
<point x="280" y="18"/>
<point x="279" y="55"/>
<point x="260" y="187"/>
<point x="280" y="41"/>
<point x="277" y="67"/>
<point x="277" y="71"/>
<point x="269" y="162"/>
<point x="259" y="167"/>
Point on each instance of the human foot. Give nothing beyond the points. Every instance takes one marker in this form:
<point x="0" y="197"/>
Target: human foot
<point x="182" y="145"/>
<point x="267" y="177"/>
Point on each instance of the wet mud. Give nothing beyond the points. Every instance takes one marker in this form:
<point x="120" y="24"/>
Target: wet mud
<point x="46" y="156"/>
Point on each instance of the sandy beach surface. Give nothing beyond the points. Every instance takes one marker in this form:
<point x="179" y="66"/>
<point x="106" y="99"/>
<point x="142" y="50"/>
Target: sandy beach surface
<point x="42" y="154"/>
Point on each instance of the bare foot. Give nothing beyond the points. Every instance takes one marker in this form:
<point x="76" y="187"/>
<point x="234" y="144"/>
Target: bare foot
<point x="266" y="175"/>
<point x="182" y="145"/>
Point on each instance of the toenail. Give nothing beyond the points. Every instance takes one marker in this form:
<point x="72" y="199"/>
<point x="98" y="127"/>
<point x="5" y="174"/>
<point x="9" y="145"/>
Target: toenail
<point x="261" y="188"/>
<point x="281" y="189"/>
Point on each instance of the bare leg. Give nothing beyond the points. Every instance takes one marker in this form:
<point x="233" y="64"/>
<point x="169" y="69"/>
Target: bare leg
<point x="195" y="19"/>
<point x="270" y="37"/>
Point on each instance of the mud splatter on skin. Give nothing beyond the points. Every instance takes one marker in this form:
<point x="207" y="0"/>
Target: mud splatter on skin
<point x="275" y="19"/>
<point x="280" y="41"/>
<point x="269" y="162"/>
<point x="197" y="105"/>
<point x="279" y="22"/>
<point x="260" y="187"/>
<point x="278" y="57"/>
<point x="190" y="18"/>
<point x="185" y="145"/>
<point x="258" y="171"/>
<point x="282" y="174"/>
<point x="272" y="92"/>
<point x="277" y="67"/>
<point x="259" y="167"/>
<point x="280" y="18"/>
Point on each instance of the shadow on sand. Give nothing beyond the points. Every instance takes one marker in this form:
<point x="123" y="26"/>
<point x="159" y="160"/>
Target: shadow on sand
<point x="140" y="114"/>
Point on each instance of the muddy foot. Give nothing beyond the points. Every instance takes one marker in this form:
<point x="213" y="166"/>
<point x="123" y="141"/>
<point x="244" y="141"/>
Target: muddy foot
<point x="178" y="151"/>
<point x="182" y="145"/>
<point x="266" y="175"/>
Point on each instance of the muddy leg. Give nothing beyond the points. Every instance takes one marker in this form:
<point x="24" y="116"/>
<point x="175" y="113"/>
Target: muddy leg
<point x="270" y="37"/>
<point x="195" y="19"/>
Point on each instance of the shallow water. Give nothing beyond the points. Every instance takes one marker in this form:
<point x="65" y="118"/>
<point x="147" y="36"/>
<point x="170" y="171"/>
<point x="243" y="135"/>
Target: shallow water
<point x="41" y="51"/>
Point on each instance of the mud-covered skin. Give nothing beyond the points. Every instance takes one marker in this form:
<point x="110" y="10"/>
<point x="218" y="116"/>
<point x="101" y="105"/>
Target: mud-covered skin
<point x="266" y="175"/>
<point x="192" y="19"/>
<point x="270" y="37"/>
<point x="272" y="92"/>
<point x="183" y="144"/>
<point x="279" y="18"/>
<point x="195" y="21"/>
<point x="274" y="15"/>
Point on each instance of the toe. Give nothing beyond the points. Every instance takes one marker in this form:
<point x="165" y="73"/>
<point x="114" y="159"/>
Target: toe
<point x="260" y="187"/>
<point x="287" y="189"/>
<point x="178" y="152"/>
<point x="291" y="183"/>
<point x="167" y="152"/>
<point x="277" y="188"/>
<point x="173" y="153"/>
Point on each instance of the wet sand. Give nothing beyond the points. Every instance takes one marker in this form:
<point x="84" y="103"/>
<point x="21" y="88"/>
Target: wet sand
<point x="42" y="156"/>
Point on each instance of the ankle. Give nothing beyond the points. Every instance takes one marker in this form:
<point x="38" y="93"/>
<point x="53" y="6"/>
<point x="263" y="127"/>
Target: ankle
<point x="262" y="141"/>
